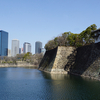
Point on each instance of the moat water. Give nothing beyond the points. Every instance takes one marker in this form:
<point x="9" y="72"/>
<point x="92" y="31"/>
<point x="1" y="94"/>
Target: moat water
<point x="32" y="84"/>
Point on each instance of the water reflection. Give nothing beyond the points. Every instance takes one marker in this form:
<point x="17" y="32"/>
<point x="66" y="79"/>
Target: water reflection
<point x="32" y="84"/>
<point x="54" y="76"/>
<point x="73" y="87"/>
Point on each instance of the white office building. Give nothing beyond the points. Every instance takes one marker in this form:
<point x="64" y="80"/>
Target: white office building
<point x="26" y="47"/>
<point x="15" y="47"/>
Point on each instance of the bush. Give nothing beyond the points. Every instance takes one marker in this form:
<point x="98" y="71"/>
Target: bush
<point x="78" y="44"/>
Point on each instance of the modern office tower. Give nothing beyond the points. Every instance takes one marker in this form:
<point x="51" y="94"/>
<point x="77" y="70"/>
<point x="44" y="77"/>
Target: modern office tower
<point x="38" y="46"/>
<point x="15" y="47"/>
<point x="3" y="43"/>
<point x="26" y="47"/>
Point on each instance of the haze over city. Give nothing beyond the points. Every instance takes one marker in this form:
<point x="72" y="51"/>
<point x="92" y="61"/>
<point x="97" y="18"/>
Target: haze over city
<point x="42" y="20"/>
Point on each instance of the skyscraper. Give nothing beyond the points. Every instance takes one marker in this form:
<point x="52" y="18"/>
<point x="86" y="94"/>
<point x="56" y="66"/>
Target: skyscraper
<point x="15" y="47"/>
<point x="38" y="46"/>
<point x="26" y="47"/>
<point x="3" y="43"/>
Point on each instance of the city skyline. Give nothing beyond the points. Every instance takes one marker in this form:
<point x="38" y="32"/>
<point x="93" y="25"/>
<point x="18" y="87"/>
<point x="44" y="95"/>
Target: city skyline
<point x="44" y="20"/>
<point x="25" y="48"/>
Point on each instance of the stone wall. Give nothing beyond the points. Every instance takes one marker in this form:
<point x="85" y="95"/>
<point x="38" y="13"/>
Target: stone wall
<point x="54" y="61"/>
<point x="18" y="64"/>
<point x="83" y="61"/>
<point x="87" y="61"/>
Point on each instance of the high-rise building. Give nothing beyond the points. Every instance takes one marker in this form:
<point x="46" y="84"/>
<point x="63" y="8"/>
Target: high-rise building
<point x="15" y="47"/>
<point x="38" y="46"/>
<point x="26" y="47"/>
<point x="3" y="43"/>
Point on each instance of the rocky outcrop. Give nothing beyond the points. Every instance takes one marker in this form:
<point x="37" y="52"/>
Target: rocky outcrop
<point x="54" y="61"/>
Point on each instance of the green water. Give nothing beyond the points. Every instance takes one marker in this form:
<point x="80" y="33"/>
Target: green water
<point x="32" y="84"/>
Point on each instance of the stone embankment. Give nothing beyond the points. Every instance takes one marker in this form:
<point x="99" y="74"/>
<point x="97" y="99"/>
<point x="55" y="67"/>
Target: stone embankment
<point x="18" y="64"/>
<point x="83" y="61"/>
<point x="54" y="60"/>
<point x="87" y="61"/>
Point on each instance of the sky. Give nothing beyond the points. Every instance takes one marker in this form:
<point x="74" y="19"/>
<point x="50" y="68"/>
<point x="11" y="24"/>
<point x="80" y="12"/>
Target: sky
<point x="43" y="20"/>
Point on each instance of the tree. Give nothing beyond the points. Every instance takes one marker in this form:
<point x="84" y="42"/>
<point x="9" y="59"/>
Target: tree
<point x="93" y="27"/>
<point x="50" y="45"/>
<point x="71" y="39"/>
<point x="36" y="58"/>
<point x="27" y="57"/>
<point x="20" y="56"/>
<point x="87" y="35"/>
<point x="65" y="36"/>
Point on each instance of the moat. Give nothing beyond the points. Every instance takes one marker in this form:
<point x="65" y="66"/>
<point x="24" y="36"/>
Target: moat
<point x="32" y="84"/>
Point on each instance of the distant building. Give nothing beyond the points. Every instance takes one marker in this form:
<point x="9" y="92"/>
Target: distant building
<point x="38" y="46"/>
<point x="26" y="47"/>
<point x="43" y="50"/>
<point x="9" y="53"/>
<point x="15" y="47"/>
<point x="19" y="50"/>
<point x="96" y="35"/>
<point x="3" y="43"/>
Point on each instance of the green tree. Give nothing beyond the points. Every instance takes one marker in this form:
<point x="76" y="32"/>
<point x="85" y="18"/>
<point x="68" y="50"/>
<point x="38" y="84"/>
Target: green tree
<point x="27" y="57"/>
<point x="71" y="39"/>
<point x="87" y="35"/>
<point x="65" y="36"/>
<point x="50" y="45"/>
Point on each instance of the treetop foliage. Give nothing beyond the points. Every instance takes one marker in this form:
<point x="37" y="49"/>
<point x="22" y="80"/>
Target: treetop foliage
<point x="71" y="39"/>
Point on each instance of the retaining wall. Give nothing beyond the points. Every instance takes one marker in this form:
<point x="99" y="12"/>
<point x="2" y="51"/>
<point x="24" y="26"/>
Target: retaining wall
<point x="83" y="61"/>
<point x="54" y="61"/>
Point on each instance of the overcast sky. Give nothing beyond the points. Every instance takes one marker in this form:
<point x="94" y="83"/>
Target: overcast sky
<point x="42" y="20"/>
